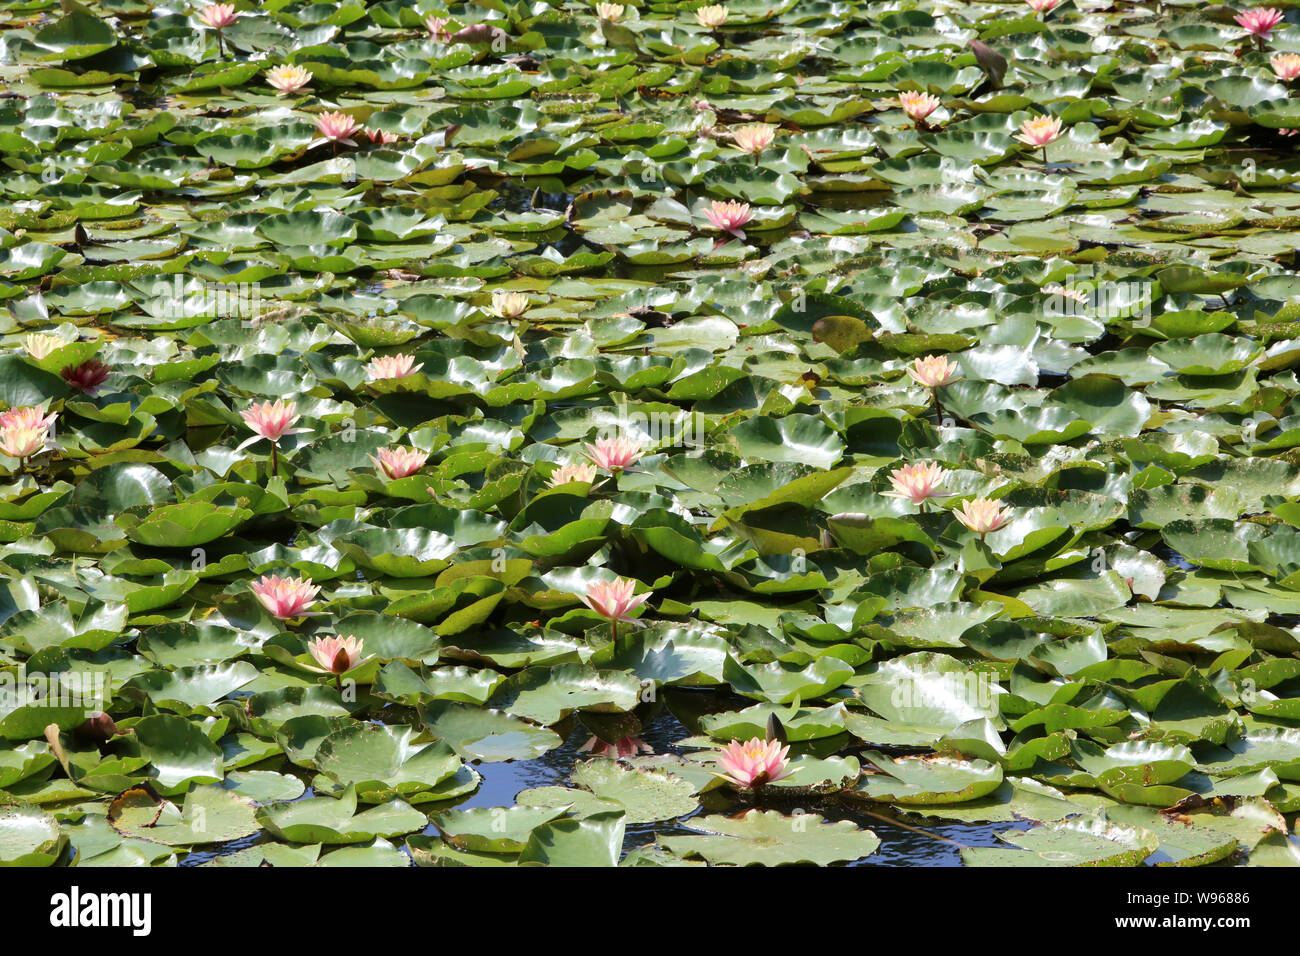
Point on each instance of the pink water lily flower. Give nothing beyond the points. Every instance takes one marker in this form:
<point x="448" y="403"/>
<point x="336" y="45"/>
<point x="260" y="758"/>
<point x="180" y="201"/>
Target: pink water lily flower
<point x="916" y="482"/>
<point x="400" y="462"/>
<point x="271" y="420"/>
<point x="572" y="472"/>
<point x="623" y="747"/>
<point x="1040" y="130"/>
<point x="754" y="762"/>
<point x="1286" y="66"/>
<point x="983" y="515"/>
<point x="288" y="79"/>
<point x="753" y="138"/>
<point x="218" y="15"/>
<point x="27" y="416"/>
<point x="338" y="655"/>
<point x="932" y="371"/>
<point x="393" y="366"/>
<point x="729" y="216"/>
<point x="1042" y="6"/>
<point x="337" y="127"/>
<point x="1259" y="22"/>
<point x="381" y="137"/>
<point x="437" y="27"/>
<point x="918" y="106"/>
<point x="21" y="442"/>
<point x="285" y="597"/>
<point x="610" y="12"/>
<point x="614" y="599"/>
<point x="614" y="454"/>
<point x="1073" y="294"/>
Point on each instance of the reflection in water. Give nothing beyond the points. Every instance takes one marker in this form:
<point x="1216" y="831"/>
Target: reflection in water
<point x="905" y="839"/>
<point x="940" y="844"/>
<point x="503" y="781"/>
<point x="901" y="843"/>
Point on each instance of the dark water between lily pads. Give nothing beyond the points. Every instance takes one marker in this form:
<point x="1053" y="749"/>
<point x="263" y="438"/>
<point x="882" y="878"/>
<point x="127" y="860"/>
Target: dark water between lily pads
<point x="908" y="840"/>
<point x="909" y="844"/>
<point x="905" y="839"/>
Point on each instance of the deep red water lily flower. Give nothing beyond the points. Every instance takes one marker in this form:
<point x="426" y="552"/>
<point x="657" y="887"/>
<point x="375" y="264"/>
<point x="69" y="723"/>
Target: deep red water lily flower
<point x="86" y="377"/>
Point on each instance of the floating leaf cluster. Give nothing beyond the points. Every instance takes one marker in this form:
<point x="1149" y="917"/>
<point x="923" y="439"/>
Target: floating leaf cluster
<point x="827" y="414"/>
